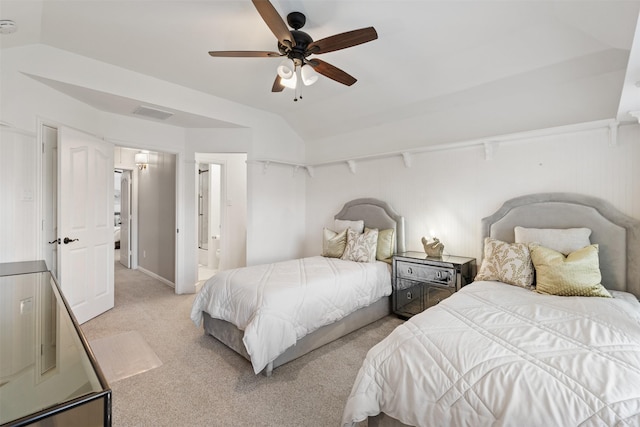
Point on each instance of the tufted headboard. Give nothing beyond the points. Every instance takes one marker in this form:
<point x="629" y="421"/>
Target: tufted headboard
<point x="376" y="214"/>
<point x="617" y="235"/>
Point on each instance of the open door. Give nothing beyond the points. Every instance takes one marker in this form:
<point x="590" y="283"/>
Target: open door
<point x="85" y="216"/>
<point x="125" y="218"/>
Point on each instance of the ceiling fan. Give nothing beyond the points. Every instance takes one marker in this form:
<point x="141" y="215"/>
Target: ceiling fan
<point x="297" y="46"/>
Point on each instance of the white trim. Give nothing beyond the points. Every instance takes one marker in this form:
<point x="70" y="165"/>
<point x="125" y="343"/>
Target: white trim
<point x="489" y="142"/>
<point x="155" y="276"/>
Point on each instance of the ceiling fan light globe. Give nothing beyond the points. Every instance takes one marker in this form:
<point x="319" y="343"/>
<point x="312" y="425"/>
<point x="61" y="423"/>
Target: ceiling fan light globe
<point x="309" y="75"/>
<point x="286" y="69"/>
<point x="290" y="82"/>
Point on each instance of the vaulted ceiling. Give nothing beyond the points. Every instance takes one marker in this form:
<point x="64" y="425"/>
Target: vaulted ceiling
<point x="532" y="63"/>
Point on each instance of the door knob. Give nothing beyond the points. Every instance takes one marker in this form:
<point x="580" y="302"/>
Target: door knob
<point x="68" y="240"/>
<point x="54" y="241"/>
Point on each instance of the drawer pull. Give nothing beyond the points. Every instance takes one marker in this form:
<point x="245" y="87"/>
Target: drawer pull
<point x="410" y="270"/>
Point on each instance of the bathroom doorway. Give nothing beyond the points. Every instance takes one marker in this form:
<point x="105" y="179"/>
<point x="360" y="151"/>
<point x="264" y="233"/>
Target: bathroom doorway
<point x="221" y="212"/>
<point x="209" y="221"/>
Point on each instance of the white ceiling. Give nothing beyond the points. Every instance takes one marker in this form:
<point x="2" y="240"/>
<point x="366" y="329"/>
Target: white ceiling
<point x="430" y="56"/>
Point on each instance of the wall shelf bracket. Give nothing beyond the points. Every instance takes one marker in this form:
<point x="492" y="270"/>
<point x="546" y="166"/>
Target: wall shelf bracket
<point x="352" y="166"/>
<point x="311" y="171"/>
<point x="613" y="134"/>
<point x="407" y="158"/>
<point x="490" y="148"/>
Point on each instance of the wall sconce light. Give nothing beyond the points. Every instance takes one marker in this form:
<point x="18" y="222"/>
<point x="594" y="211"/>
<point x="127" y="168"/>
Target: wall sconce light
<point x="142" y="160"/>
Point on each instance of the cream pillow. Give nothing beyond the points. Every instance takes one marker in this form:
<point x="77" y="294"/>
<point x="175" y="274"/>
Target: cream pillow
<point x="563" y="240"/>
<point x="333" y="243"/>
<point x="506" y="262"/>
<point x="342" y="224"/>
<point x="361" y="247"/>
<point x="577" y="274"/>
<point x="384" y="250"/>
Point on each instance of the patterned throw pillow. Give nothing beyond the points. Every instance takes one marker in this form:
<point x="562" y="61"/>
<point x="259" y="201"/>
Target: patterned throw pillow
<point x="577" y="274"/>
<point x="333" y="243"/>
<point x="506" y="262"/>
<point x="361" y="247"/>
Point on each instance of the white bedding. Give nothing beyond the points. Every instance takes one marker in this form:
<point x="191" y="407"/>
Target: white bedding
<point x="500" y="355"/>
<point x="277" y="304"/>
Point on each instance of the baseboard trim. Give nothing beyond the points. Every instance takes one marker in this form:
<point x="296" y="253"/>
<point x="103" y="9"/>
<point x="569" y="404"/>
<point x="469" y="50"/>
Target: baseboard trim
<point x="155" y="276"/>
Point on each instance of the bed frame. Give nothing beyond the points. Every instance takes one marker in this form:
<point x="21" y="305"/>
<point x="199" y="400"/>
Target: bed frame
<point x="376" y="214"/>
<point x="617" y="235"/>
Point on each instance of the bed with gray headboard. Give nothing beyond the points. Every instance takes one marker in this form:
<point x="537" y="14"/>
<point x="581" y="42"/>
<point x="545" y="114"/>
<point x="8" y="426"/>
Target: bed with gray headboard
<point x="239" y="334"/>
<point x="501" y="354"/>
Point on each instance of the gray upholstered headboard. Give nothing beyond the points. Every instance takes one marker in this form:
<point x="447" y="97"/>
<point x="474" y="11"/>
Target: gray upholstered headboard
<point x="375" y="214"/>
<point x="617" y="235"/>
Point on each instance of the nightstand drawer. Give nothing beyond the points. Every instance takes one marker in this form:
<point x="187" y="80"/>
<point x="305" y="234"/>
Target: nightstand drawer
<point x="408" y="297"/>
<point x="425" y="273"/>
<point x="433" y="295"/>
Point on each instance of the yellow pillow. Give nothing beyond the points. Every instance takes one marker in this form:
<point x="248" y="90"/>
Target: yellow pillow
<point x="333" y="243"/>
<point x="577" y="274"/>
<point x="384" y="250"/>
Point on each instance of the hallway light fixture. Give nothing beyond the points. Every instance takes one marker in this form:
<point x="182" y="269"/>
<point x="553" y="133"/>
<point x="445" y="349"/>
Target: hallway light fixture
<point x="142" y="160"/>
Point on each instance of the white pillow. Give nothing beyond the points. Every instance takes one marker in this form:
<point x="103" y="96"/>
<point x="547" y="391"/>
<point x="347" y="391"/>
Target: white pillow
<point x="342" y="224"/>
<point x="563" y="240"/>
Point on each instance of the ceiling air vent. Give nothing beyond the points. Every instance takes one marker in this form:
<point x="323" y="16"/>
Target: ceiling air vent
<point x="151" y="112"/>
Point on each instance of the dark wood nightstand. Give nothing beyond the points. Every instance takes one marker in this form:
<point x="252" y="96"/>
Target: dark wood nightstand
<point x="420" y="282"/>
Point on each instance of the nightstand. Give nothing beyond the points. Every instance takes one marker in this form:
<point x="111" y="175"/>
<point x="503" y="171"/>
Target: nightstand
<point x="420" y="282"/>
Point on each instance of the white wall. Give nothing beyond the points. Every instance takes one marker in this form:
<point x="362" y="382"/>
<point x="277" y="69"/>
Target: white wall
<point x="450" y="191"/>
<point x="24" y="100"/>
<point x="18" y="197"/>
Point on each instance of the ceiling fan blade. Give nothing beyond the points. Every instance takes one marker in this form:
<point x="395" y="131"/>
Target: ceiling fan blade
<point x="343" y="40"/>
<point x="244" y="54"/>
<point x="275" y="22"/>
<point x="277" y="85"/>
<point x="332" y="72"/>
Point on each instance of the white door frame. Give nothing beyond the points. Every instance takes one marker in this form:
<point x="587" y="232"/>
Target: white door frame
<point x="126" y="232"/>
<point x="48" y="170"/>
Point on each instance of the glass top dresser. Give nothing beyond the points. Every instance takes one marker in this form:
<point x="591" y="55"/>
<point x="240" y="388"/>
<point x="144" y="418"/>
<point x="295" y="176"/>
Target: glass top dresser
<point x="48" y="374"/>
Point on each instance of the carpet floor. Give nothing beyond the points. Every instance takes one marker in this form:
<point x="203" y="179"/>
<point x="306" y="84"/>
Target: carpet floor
<point x="201" y="382"/>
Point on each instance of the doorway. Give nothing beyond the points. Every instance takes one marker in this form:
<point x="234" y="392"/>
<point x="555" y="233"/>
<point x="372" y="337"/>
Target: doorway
<point x="122" y="217"/>
<point x="148" y="200"/>
<point x="209" y="223"/>
<point x="221" y="211"/>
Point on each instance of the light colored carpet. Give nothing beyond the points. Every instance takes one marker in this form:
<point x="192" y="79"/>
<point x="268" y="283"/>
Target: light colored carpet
<point x="124" y="355"/>
<point x="203" y="383"/>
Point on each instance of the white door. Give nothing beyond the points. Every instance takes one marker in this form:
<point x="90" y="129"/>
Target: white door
<point x="125" y="219"/>
<point x="85" y="218"/>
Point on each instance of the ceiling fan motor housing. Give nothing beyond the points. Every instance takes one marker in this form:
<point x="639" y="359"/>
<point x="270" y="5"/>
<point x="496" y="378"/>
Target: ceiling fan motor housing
<point x="299" y="51"/>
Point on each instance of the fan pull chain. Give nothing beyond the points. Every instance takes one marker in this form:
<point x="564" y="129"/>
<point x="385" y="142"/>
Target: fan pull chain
<point x="298" y="89"/>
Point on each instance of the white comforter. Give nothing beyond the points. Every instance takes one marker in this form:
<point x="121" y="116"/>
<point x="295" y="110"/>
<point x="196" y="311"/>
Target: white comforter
<point x="499" y="355"/>
<point x="277" y="304"/>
